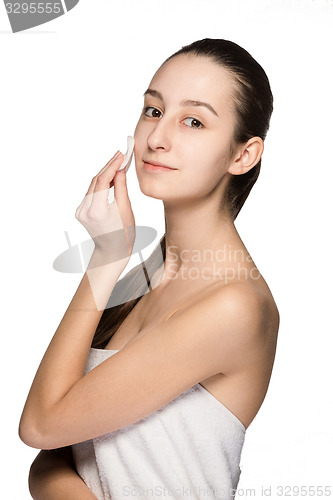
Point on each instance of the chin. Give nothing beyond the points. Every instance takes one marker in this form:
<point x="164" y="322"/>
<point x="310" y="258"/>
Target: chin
<point x="153" y="193"/>
<point x="158" y="188"/>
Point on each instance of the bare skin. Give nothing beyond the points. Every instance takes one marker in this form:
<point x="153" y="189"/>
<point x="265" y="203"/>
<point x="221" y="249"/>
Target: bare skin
<point x="52" y="477"/>
<point x="219" y="328"/>
<point x="232" y="388"/>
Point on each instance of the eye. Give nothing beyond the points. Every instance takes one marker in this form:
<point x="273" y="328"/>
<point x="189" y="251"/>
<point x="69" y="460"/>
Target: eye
<point x="152" y="112"/>
<point x="194" y="123"/>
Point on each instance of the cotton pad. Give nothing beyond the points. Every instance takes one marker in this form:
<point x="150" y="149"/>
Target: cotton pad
<point x="125" y="164"/>
<point x="128" y="155"/>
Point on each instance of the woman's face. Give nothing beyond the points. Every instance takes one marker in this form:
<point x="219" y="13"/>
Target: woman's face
<point x="187" y="124"/>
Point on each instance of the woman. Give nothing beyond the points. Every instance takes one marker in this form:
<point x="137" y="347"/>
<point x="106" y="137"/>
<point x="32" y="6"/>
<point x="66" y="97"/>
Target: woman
<point x="178" y="371"/>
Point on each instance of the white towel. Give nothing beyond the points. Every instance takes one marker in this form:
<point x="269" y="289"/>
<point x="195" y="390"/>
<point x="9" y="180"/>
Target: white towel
<point x="191" y="447"/>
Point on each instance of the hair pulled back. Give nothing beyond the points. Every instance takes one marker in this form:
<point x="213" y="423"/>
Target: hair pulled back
<point x="253" y="106"/>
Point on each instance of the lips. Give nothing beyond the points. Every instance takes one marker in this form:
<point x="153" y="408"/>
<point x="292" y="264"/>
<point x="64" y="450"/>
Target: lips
<point x="157" y="164"/>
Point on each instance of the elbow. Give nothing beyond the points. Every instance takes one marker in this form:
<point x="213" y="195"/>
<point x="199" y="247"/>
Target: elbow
<point x="41" y="430"/>
<point x="32" y="434"/>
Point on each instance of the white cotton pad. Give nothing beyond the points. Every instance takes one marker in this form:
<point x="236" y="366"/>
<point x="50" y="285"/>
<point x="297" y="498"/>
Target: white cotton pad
<point x="125" y="164"/>
<point x="128" y="155"/>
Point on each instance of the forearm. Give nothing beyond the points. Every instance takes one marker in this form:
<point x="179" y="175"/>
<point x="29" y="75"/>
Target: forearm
<point x="112" y="227"/>
<point x="52" y="477"/>
<point x="65" y="359"/>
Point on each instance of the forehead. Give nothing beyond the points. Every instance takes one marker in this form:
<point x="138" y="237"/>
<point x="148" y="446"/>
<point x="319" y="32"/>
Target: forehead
<point x="187" y="76"/>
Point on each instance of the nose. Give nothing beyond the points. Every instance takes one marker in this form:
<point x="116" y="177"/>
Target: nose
<point x="159" y="138"/>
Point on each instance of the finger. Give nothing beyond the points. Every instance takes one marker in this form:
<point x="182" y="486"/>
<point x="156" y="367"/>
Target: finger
<point x="122" y="198"/>
<point x="124" y="207"/>
<point x="101" y="183"/>
<point x="104" y="179"/>
<point x="99" y="198"/>
<point x="87" y="200"/>
<point x="92" y="186"/>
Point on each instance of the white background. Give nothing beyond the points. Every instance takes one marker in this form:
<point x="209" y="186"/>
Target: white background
<point x="70" y="92"/>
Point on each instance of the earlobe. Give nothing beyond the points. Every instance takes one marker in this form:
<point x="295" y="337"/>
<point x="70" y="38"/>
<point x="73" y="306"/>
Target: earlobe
<point x="247" y="156"/>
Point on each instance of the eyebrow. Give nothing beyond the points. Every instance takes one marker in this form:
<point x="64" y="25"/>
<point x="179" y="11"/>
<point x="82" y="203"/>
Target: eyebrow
<point x="188" y="102"/>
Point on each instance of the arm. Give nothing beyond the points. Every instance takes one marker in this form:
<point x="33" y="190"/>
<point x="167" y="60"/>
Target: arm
<point x="52" y="477"/>
<point x="223" y="331"/>
<point x="64" y="361"/>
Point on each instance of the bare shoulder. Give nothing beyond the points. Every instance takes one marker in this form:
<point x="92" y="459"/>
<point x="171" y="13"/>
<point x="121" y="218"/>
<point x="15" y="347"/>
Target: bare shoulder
<point x="248" y="318"/>
<point x="248" y="301"/>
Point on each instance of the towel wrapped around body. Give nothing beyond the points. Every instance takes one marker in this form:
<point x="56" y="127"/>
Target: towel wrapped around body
<point x="191" y="447"/>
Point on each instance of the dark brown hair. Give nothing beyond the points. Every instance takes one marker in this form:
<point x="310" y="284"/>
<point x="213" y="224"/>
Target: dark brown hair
<point x="253" y="104"/>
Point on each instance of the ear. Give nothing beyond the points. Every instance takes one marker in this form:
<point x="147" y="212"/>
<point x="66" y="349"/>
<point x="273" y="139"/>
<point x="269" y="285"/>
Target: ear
<point x="247" y="156"/>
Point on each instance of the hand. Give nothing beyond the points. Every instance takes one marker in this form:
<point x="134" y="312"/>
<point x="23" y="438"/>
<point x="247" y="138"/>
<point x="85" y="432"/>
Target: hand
<point x="111" y="226"/>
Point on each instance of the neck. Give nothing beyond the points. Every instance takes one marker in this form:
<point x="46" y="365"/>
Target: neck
<point x="201" y="240"/>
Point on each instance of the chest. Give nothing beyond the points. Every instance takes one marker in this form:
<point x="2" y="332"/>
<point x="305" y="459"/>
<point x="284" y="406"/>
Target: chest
<point x="153" y="309"/>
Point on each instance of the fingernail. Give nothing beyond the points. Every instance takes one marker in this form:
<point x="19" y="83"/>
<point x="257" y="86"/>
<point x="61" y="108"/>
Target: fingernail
<point x="115" y="156"/>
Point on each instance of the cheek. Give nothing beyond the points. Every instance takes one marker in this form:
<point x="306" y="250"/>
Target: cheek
<point x="141" y="134"/>
<point x="194" y="151"/>
<point x="202" y="157"/>
<point x="207" y="169"/>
